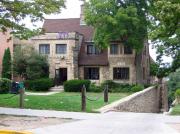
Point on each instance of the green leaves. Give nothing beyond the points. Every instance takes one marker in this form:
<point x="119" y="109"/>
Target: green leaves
<point x="165" y="30"/>
<point x="16" y="11"/>
<point x="114" y="20"/>
<point x="29" y="64"/>
<point x="6" y="65"/>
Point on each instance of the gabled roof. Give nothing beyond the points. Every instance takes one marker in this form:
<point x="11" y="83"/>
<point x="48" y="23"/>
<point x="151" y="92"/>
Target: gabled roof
<point x="68" y="25"/>
<point x="73" y="25"/>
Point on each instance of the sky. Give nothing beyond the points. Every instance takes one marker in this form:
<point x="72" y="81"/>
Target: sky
<point x="73" y="11"/>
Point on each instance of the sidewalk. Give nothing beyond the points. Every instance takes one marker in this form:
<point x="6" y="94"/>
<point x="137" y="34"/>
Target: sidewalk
<point x="107" y="123"/>
<point x="48" y="113"/>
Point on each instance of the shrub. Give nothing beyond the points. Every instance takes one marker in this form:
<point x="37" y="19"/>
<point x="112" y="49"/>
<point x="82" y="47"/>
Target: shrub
<point x="76" y="85"/>
<point x="137" y="88"/>
<point x="6" y="64"/>
<point x="95" y="88"/>
<point x="111" y="84"/>
<point x="5" y="85"/>
<point x="39" y="84"/>
<point x="177" y="95"/>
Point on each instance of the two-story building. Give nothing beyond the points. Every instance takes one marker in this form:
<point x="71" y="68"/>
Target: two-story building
<point x="68" y="43"/>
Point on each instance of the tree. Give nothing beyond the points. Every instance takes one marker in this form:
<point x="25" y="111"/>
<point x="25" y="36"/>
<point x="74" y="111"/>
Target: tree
<point x="165" y="26"/>
<point x="6" y="64"/>
<point x="118" y="20"/>
<point x="173" y="84"/>
<point x="29" y="64"/>
<point x="14" y="12"/>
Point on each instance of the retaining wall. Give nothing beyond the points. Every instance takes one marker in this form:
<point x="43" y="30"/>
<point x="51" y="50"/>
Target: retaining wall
<point x="146" y="101"/>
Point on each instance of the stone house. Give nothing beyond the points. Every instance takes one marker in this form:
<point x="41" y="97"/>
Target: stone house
<point x="72" y="55"/>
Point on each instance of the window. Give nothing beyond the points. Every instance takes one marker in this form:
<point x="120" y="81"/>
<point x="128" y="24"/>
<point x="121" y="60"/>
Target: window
<point x="44" y="48"/>
<point x="91" y="49"/>
<point x="91" y="73"/>
<point x="128" y="50"/>
<point x="61" y="48"/>
<point x="114" y="49"/>
<point x="121" y="73"/>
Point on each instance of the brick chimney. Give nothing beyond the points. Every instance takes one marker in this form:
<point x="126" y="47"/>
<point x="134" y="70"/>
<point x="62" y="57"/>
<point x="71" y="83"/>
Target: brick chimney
<point x="82" y="18"/>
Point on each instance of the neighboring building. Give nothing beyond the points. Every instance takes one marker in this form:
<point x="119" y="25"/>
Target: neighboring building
<point x="72" y="54"/>
<point x="5" y="42"/>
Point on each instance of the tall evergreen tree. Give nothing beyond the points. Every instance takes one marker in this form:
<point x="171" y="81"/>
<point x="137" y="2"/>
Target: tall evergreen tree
<point x="6" y="65"/>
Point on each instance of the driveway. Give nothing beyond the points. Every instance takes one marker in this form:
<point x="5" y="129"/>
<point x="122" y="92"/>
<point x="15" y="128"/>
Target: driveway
<point x="117" y="123"/>
<point x="107" y="123"/>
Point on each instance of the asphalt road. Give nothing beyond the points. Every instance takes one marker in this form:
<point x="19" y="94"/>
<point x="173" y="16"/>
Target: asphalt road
<point x="117" y="123"/>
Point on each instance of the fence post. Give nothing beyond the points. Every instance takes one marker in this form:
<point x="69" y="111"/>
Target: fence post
<point x="106" y="94"/>
<point x="83" y="98"/>
<point x="21" y="98"/>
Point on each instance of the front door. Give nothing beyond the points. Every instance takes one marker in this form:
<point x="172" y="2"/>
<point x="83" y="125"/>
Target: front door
<point x="60" y="76"/>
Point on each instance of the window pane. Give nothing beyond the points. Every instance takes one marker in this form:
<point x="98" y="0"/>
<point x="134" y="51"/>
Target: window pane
<point x="91" y="73"/>
<point x="121" y="73"/>
<point x="91" y="49"/>
<point x="61" y="48"/>
<point x="127" y="50"/>
<point x="44" y="48"/>
<point x="114" y="49"/>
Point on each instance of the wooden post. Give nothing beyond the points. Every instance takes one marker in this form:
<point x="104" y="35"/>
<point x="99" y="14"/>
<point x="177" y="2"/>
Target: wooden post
<point x="83" y="98"/>
<point x="21" y="98"/>
<point x="106" y="94"/>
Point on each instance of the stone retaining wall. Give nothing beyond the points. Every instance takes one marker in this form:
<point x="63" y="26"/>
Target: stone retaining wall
<point x="146" y="101"/>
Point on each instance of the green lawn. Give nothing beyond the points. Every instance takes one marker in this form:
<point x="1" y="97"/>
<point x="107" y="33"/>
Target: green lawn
<point x="60" y="101"/>
<point x="176" y="110"/>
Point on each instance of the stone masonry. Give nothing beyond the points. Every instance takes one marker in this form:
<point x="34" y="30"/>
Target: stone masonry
<point x="146" y="101"/>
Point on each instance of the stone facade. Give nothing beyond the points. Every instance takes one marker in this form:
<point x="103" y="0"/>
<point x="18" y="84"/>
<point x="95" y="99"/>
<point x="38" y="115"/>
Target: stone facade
<point x="71" y="58"/>
<point x="146" y="101"/>
<point x="68" y="60"/>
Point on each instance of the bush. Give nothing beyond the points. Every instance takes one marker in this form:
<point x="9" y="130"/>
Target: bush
<point x="76" y="85"/>
<point x="39" y="84"/>
<point x="111" y="84"/>
<point x="177" y="94"/>
<point x="137" y="88"/>
<point x="95" y="88"/>
<point x="5" y="85"/>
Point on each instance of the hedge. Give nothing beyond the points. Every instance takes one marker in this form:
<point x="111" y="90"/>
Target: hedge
<point x="39" y="85"/>
<point x="5" y="85"/>
<point x="76" y="85"/>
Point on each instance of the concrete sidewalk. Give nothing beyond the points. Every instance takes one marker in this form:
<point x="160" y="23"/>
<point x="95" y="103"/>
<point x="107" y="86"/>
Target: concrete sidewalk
<point x="115" y="123"/>
<point x="107" y="123"/>
<point x="48" y="113"/>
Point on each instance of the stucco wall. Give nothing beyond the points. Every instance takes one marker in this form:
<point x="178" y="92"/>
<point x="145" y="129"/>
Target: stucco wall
<point x="146" y="101"/>
<point x="4" y="44"/>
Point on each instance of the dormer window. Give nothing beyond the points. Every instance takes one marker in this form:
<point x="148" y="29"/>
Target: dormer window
<point x="128" y="50"/>
<point x="92" y="50"/>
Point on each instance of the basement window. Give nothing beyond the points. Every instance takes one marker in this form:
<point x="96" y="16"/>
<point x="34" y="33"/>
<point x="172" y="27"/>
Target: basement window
<point x="121" y="73"/>
<point x="91" y="73"/>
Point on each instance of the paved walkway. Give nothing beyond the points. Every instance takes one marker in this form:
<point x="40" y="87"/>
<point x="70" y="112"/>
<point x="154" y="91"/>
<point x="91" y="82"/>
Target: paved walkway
<point x="107" y="123"/>
<point x="41" y="94"/>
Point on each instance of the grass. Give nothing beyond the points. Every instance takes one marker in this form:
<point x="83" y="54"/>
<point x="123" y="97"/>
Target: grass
<point x="60" y="101"/>
<point x="176" y="110"/>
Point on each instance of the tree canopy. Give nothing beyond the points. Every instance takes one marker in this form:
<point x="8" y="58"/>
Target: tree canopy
<point x="28" y="64"/>
<point x="118" y="20"/>
<point x="13" y="12"/>
<point x="165" y="26"/>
